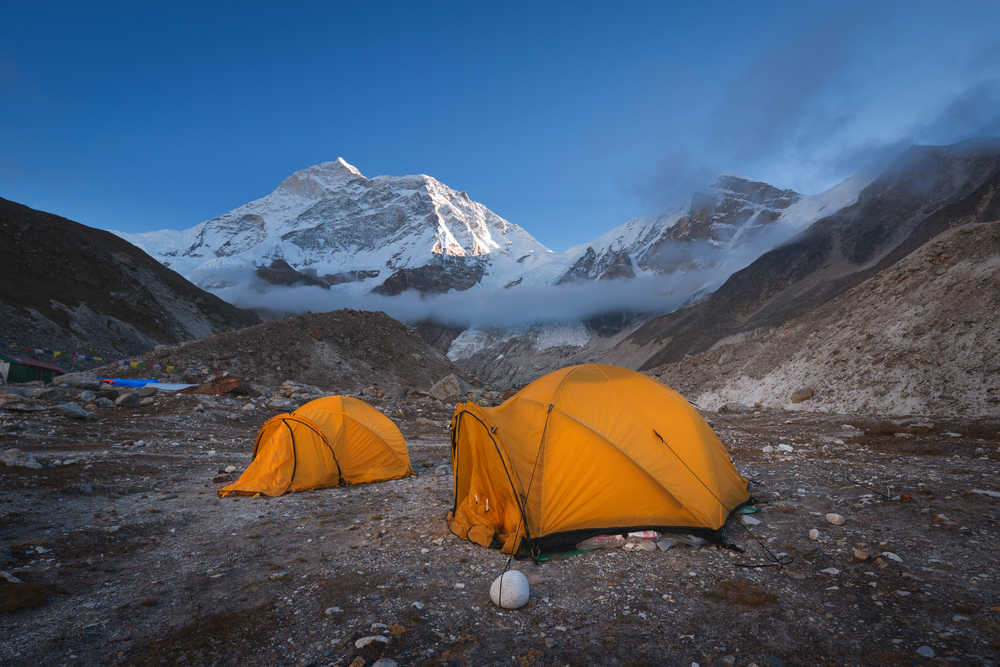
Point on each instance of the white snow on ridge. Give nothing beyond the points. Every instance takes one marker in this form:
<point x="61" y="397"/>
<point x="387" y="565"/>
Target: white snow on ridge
<point x="330" y="219"/>
<point x="543" y="335"/>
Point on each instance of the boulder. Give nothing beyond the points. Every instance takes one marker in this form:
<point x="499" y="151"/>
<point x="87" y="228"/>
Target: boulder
<point x="803" y="394"/>
<point x="223" y="386"/>
<point x="450" y="388"/>
<point x="130" y="400"/>
<point x="920" y="428"/>
<point x="71" y="411"/>
<point x="78" y="381"/>
<point x="18" y="459"/>
<point x="510" y="590"/>
<point x="18" y="403"/>
<point x="146" y="392"/>
<point x="86" y="396"/>
<point x="46" y="394"/>
<point x="735" y="408"/>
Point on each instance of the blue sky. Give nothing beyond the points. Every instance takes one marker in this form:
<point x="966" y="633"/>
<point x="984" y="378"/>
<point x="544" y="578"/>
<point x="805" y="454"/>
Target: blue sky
<point x="566" y="119"/>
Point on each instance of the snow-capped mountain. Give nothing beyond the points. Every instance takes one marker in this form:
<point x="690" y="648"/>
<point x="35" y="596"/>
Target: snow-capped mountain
<point x="330" y="225"/>
<point x="732" y="221"/>
<point x="333" y="223"/>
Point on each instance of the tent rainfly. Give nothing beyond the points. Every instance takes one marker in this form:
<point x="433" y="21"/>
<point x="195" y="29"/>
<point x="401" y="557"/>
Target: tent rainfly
<point x="331" y="441"/>
<point x="584" y="451"/>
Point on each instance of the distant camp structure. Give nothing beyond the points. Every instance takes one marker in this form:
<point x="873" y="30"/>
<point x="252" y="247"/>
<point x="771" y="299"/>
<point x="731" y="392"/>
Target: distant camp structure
<point x="331" y="441"/>
<point x="585" y="451"/>
<point x="19" y="369"/>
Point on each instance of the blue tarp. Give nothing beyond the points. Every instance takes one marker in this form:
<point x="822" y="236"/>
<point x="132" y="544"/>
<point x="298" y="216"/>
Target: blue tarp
<point x="127" y="383"/>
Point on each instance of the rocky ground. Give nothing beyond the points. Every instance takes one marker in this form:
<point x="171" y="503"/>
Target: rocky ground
<point x="344" y="351"/>
<point x="127" y="556"/>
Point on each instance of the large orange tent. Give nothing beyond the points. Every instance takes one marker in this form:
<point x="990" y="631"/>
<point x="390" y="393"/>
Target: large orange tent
<point x="327" y="442"/>
<point x="588" y="450"/>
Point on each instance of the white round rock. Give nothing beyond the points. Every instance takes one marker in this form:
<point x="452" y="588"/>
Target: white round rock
<point x="515" y="590"/>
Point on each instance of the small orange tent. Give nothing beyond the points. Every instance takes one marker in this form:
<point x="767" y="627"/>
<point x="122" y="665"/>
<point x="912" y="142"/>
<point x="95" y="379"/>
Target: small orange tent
<point x="331" y="441"/>
<point x="588" y="450"/>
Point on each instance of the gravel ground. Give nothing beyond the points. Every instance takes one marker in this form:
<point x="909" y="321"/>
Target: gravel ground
<point x="129" y="557"/>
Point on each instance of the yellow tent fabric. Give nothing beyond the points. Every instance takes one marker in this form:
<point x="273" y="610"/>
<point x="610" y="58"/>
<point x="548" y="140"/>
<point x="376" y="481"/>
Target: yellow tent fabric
<point x="583" y="451"/>
<point x="327" y="442"/>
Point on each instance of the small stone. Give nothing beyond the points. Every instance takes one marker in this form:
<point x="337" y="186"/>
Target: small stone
<point x="729" y="660"/>
<point x="11" y="579"/>
<point x="86" y="396"/>
<point x="831" y="570"/>
<point x="772" y="661"/>
<point x="768" y="449"/>
<point x="417" y="605"/>
<point x="230" y="469"/>
<point x="835" y="519"/>
<point x="786" y="448"/>
<point x="813" y="534"/>
<point x="925" y="651"/>
<point x="365" y="641"/>
<point x="459" y="586"/>
<point x="112" y="529"/>
<point x="149" y="400"/>
<point x="549" y="642"/>
<point x="330" y="611"/>
<point x="860" y="555"/>
<point x="385" y="662"/>
<point x="200" y="408"/>
<point x="749" y="521"/>
<point x="444" y="470"/>
<point x="892" y="556"/>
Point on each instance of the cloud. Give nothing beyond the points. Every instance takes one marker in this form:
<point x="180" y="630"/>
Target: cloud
<point x="858" y="87"/>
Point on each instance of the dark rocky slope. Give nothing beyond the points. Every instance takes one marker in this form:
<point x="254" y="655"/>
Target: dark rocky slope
<point x="925" y="191"/>
<point x="63" y="285"/>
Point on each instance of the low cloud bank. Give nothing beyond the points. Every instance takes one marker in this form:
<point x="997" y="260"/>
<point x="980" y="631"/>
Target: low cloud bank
<point x="523" y="304"/>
